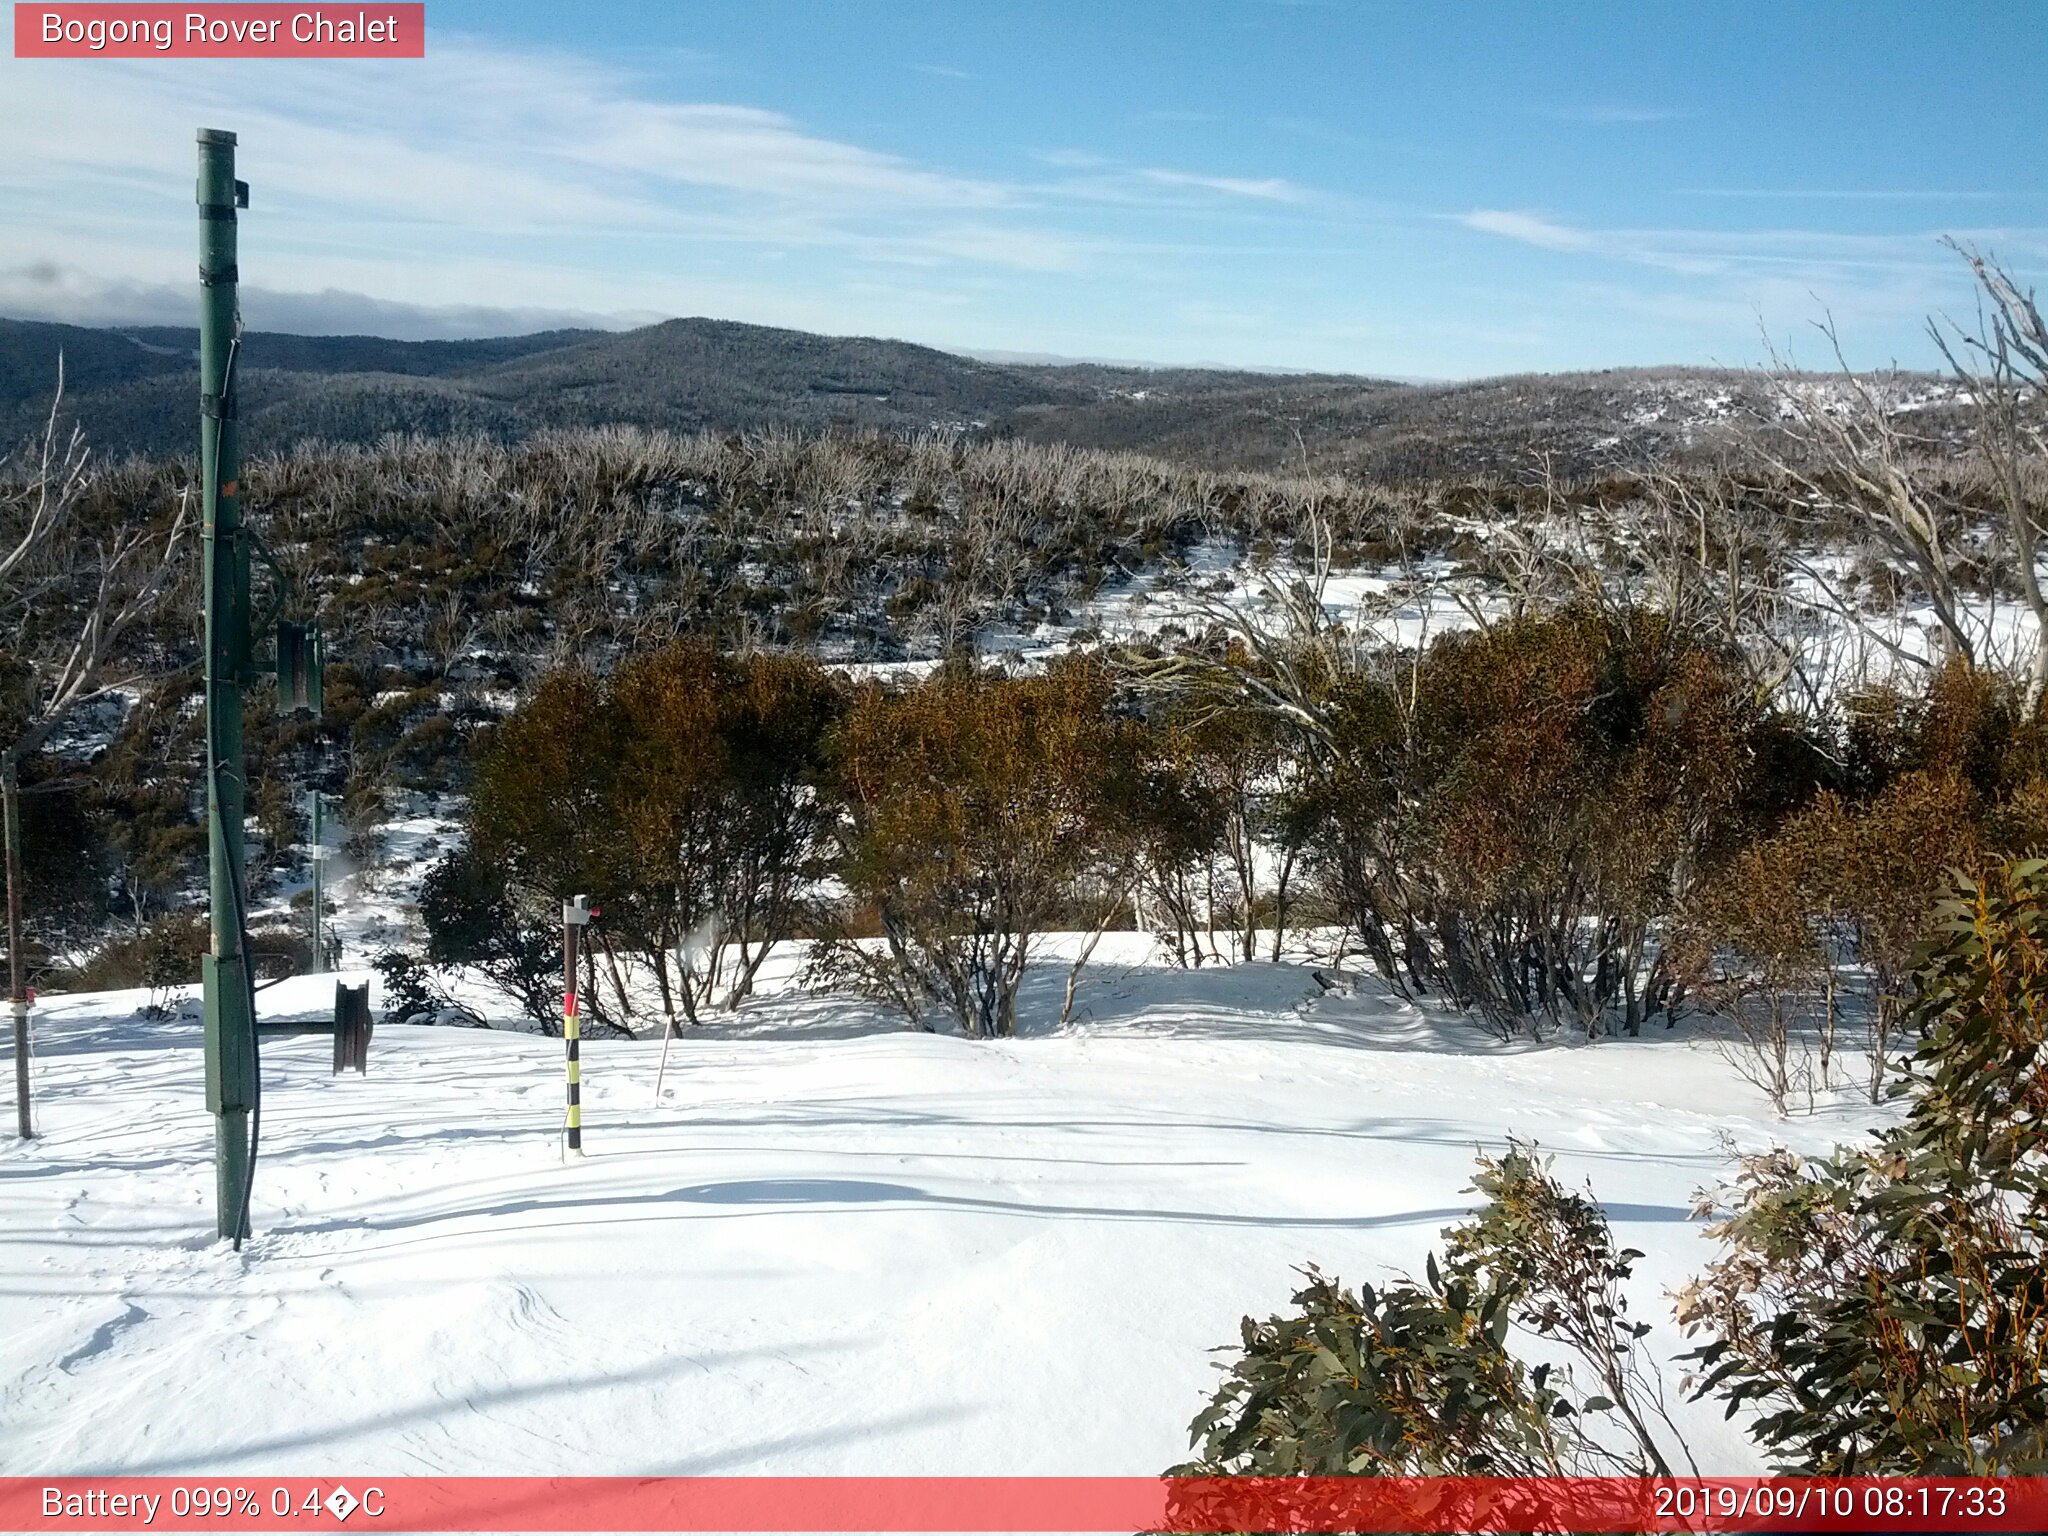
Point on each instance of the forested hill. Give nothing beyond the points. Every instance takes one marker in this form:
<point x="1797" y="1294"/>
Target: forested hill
<point x="134" y="392"/>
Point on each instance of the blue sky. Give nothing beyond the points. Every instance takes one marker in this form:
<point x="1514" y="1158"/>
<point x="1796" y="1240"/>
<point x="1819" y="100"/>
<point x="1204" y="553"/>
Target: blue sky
<point x="1418" y="190"/>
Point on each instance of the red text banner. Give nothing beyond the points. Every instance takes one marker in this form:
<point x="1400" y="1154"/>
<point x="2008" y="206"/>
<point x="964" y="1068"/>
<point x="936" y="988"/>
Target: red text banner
<point x="237" y="31"/>
<point x="1053" y="1504"/>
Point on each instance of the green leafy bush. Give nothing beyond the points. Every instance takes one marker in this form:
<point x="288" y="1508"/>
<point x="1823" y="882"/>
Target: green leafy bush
<point x="1417" y="1378"/>
<point x="412" y="989"/>
<point x="1882" y="1311"/>
<point x="1887" y="1306"/>
<point x="471" y="920"/>
<point x="1402" y="1379"/>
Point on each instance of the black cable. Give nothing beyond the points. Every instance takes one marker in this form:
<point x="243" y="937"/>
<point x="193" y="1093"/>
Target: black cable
<point x="227" y="395"/>
<point x="249" y="982"/>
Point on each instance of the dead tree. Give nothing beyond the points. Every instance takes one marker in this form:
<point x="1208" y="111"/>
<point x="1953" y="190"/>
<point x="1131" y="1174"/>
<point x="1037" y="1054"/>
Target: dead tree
<point x="69" y="595"/>
<point x="1850" y="460"/>
<point x="2002" y="367"/>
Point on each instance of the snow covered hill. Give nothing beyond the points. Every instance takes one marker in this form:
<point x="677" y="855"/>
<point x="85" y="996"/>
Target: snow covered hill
<point x="833" y="1247"/>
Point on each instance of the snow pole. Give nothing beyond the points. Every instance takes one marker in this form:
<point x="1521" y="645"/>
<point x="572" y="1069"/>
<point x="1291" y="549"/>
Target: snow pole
<point x="576" y="917"/>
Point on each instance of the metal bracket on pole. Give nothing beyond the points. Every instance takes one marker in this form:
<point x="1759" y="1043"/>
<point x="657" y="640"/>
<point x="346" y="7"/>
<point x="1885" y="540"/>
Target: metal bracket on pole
<point x="301" y="667"/>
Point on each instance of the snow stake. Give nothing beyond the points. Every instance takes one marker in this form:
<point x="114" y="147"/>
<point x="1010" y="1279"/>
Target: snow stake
<point x="576" y="916"/>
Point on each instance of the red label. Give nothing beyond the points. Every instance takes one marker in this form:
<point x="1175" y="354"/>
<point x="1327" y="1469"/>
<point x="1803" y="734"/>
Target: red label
<point x="1051" y="1504"/>
<point x="373" y="31"/>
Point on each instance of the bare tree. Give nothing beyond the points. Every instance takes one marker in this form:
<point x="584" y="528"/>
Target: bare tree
<point x="1277" y="648"/>
<point x="69" y="594"/>
<point x="1850" y="459"/>
<point x="2002" y="367"/>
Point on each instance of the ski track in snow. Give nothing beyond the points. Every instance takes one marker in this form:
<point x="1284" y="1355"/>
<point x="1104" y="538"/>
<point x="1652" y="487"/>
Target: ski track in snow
<point x="835" y="1247"/>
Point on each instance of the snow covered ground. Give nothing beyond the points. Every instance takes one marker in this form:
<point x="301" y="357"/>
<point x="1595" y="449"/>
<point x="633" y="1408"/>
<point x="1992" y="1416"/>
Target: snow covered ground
<point x="834" y="1247"/>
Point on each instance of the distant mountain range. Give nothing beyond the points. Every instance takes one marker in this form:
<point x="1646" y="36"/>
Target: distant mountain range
<point x="134" y="391"/>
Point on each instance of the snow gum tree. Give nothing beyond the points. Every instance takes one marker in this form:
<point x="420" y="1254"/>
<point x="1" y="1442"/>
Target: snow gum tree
<point x="977" y="804"/>
<point x="1505" y="819"/>
<point x="684" y="793"/>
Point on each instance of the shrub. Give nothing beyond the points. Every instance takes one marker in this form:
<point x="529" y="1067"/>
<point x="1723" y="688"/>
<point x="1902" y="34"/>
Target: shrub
<point x="1821" y="920"/>
<point x="1401" y="1379"/>
<point x="162" y="956"/>
<point x="1179" y="820"/>
<point x="410" y="990"/>
<point x="1887" y="1306"/>
<point x="1228" y="795"/>
<point x="1417" y="1379"/>
<point x="977" y="802"/>
<point x="277" y="951"/>
<point x="471" y="920"/>
<point x="413" y="992"/>
<point x="1507" y="820"/>
<point x="685" y="793"/>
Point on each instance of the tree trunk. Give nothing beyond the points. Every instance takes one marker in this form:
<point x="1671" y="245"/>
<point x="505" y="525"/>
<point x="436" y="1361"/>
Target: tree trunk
<point x="17" y="988"/>
<point x="611" y="963"/>
<point x="1087" y="950"/>
<point x="1280" y="903"/>
<point x="2037" y="670"/>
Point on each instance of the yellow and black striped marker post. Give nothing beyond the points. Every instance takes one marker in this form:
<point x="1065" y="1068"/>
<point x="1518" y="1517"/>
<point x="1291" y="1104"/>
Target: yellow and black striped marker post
<point x="576" y="916"/>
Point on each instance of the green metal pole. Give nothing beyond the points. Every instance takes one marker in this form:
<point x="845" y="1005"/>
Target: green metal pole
<point x="230" y="1026"/>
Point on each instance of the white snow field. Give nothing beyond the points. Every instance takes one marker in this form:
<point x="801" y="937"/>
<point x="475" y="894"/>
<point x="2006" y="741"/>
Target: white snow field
<point x="836" y="1246"/>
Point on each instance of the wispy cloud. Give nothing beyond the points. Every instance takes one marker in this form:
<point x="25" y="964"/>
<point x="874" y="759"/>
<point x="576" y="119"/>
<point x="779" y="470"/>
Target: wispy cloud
<point x="1849" y="194"/>
<point x="1271" y="189"/>
<point x="475" y="159"/>
<point x="1527" y="228"/>
<point x="1073" y="159"/>
<point x="1705" y="252"/>
<point x="1732" y="282"/>
<point x="490" y="188"/>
